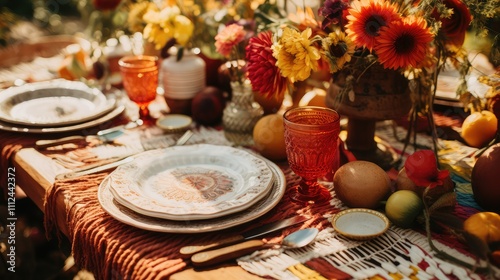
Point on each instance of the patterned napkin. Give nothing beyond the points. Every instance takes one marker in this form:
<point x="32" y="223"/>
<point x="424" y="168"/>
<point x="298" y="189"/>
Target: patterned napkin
<point x="133" y="141"/>
<point x="397" y="254"/>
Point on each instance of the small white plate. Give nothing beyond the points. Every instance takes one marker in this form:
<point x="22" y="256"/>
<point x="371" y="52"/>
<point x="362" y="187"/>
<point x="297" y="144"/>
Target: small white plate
<point x="174" y="122"/>
<point x="360" y="223"/>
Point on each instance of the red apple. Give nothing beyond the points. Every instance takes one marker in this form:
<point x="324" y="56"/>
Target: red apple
<point x="207" y="106"/>
<point x="485" y="177"/>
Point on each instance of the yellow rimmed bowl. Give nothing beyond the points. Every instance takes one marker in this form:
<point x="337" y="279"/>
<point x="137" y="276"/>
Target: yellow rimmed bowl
<point x="360" y="223"/>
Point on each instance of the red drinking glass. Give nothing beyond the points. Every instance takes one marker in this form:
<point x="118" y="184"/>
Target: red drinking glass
<point x="311" y="135"/>
<point x="140" y="80"/>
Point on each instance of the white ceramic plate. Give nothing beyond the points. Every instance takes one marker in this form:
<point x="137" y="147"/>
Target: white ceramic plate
<point x="53" y="103"/>
<point x="360" y="223"/>
<point x="127" y="216"/>
<point x="191" y="182"/>
<point x="80" y="126"/>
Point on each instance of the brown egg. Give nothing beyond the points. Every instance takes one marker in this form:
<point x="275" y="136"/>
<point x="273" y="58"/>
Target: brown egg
<point x="484" y="179"/>
<point x="361" y="184"/>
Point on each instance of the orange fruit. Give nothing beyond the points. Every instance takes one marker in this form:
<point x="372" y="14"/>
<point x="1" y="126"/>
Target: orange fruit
<point x="479" y="128"/>
<point x="315" y="97"/>
<point x="403" y="207"/>
<point x="484" y="225"/>
<point x="269" y="137"/>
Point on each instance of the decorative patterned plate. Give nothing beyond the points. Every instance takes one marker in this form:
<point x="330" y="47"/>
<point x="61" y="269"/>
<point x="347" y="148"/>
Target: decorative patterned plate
<point x="53" y="103"/>
<point x="191" y="182"/>
<point x="80" y="126"/>
<point x="127" y="216"/>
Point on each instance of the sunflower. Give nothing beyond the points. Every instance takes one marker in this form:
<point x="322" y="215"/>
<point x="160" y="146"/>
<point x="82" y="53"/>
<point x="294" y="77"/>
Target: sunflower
<point x="296" y="55"/>
<point x="403" y="43"/>
<point x="338" y="49"/>
<point x="261" y="65"/>
<point x="366" y="17"/>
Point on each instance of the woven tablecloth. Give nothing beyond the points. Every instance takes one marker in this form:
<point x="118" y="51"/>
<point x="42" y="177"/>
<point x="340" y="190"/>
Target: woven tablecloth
<point x="113" y="250"/>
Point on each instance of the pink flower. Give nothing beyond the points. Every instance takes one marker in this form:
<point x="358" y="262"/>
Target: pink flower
<point x="262" y="70"/>
<point x="421" y="168"/>
<point x="227" y="39"/>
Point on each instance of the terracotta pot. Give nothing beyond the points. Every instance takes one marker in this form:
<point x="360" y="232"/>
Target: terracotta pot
<point x="271" y="104"/>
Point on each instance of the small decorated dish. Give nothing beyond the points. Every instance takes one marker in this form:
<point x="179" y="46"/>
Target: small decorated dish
<point x="360" y="223"/>
<point x="174" y="122"/>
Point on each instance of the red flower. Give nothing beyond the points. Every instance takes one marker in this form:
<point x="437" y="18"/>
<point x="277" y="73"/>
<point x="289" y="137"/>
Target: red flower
<point x="263" y="73"/>
<point x="454" y="27"/>
<point x="105" y="5"/>
<point x="421" y="168"/>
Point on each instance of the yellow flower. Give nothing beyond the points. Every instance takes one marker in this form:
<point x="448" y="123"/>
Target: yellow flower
<point x="166" y="24"/>
<point x="338" y="49"/>
<point x="182" y="29"/>
<point x="296" y="55"/>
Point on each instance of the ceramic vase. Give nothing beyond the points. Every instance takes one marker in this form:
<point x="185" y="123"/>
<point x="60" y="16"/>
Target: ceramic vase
<point x="182" y="80"/>
<point x="242" y="112"/>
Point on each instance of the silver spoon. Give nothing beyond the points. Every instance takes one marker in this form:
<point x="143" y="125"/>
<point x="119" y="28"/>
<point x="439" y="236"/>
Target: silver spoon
<point x="297" y="239"/>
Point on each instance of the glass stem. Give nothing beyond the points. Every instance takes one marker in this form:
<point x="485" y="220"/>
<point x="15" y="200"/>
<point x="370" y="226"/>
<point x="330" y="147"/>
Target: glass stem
<point x="308" y="187"/>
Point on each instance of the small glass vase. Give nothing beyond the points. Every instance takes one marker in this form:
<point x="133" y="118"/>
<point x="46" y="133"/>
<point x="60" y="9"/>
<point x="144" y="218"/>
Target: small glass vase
<point x="242" y="112"/>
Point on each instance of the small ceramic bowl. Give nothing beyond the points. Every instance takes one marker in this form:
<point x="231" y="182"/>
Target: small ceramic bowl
<point x="174" y="122"/>
<point x="360" y="223"/>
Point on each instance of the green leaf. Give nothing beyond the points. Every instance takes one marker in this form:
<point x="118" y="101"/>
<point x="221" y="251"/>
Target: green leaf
<point x="180" y="53"/>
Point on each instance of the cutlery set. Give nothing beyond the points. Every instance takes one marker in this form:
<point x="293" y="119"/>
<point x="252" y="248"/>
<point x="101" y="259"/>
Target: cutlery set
<point x="239" y="245"/>
<point x="114" y="163"/>
<point x="105" y="136"/>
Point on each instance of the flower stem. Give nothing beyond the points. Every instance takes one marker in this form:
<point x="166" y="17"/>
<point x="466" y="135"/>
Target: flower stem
<point x="441" y="254"/>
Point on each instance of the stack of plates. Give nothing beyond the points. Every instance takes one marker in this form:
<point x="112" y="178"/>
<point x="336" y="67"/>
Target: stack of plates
<point x="189" y="189"/>
<point x="54" y="106"/>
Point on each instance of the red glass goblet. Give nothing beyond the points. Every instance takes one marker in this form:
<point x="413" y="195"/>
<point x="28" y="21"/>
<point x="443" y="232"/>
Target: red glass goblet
<point x="311" y="135"/>
<point x="140" y="80"/>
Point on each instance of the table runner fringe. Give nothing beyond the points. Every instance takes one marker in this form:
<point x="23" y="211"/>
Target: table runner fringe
<point x="10" y="143"/>
<point x="397" y="251"/>
<point x="110" y="248"/>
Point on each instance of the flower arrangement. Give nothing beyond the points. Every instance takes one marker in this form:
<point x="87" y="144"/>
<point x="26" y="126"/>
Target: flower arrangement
<point x="416" y="38"/>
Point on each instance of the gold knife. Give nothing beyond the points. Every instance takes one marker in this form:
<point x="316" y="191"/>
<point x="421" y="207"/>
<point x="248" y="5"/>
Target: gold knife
<point x="187" y="251"/>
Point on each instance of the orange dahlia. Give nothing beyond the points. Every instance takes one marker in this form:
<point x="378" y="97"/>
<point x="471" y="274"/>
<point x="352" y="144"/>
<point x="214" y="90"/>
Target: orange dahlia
<point x="366" y="17"/>
<point x="403" y="43"/>
<point x="261" y="66"/>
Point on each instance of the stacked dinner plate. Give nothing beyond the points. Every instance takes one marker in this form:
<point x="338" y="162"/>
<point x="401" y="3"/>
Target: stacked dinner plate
<point x="190" y="189"/>
<point x="54" y="106"/>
